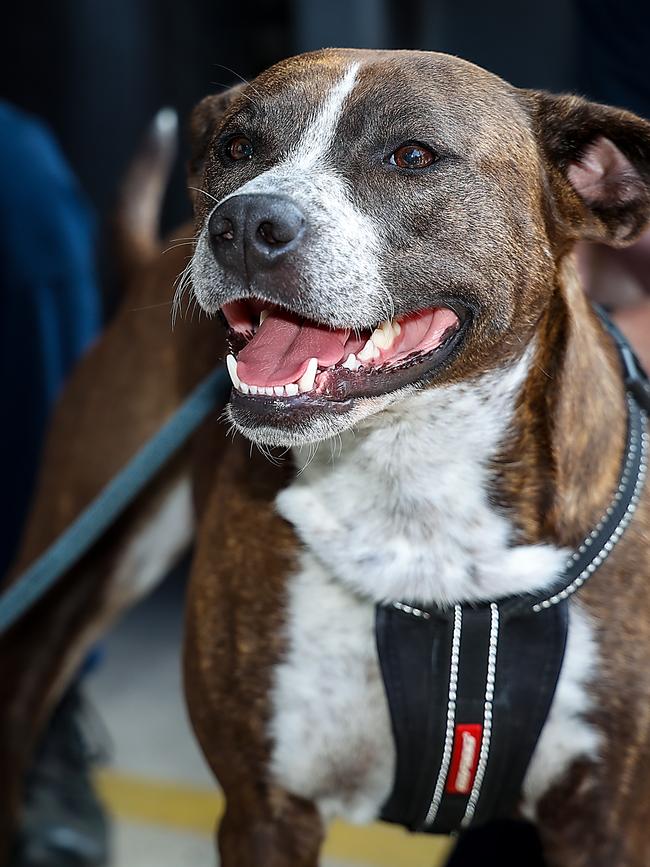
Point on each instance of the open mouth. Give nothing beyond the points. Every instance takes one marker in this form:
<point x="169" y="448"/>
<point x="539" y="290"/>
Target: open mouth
<point x="278" y="354"/>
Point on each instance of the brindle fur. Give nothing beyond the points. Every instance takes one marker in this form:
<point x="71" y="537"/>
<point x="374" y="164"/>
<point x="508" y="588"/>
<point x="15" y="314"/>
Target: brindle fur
<point x="554" y="476"/>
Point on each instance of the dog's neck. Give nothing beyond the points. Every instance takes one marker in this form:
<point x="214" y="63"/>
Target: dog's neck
<point x="559" y="468"/>
<point x="463" y="492"/>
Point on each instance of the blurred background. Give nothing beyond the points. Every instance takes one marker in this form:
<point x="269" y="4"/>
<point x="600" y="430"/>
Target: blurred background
<point x="94" y="74"/>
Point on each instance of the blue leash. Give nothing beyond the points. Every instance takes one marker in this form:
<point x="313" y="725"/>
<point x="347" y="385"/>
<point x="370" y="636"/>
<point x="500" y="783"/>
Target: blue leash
<point x="85" y="530"/>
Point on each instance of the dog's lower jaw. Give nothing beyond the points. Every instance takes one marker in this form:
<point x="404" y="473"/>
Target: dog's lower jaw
<point x="316" y="424"/>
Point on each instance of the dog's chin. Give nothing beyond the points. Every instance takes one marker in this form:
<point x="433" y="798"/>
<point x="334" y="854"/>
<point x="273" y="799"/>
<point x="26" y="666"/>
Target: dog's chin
<point x="298" y="381"/>
<point x="268" y="422"/>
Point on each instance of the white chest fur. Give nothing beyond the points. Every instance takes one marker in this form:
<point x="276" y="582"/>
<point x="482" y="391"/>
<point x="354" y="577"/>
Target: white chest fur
<point x="402" y="513"/>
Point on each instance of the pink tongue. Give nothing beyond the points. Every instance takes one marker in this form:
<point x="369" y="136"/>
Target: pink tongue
<point x="280" y="350"/>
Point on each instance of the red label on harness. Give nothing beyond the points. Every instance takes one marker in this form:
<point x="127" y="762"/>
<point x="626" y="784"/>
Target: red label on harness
<point x="464" y="760"/>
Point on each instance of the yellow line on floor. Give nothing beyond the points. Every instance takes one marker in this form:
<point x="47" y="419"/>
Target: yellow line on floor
<point x="190" y="808"/>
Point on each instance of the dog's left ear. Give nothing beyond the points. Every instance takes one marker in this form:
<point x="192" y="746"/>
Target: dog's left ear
<point x="598" y="163"/>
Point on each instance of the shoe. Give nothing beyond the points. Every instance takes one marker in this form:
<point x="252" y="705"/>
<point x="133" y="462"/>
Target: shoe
<point x="63" y="823"/>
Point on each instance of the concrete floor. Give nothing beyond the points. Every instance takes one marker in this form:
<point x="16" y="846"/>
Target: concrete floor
<point x="163" y="798"/>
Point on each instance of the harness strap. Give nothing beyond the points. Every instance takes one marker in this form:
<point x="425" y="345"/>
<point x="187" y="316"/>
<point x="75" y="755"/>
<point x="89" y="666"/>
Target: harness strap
<point x="466" y="722"/>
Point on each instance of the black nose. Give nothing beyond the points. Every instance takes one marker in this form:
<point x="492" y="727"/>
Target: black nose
<point x="255" y="231"/>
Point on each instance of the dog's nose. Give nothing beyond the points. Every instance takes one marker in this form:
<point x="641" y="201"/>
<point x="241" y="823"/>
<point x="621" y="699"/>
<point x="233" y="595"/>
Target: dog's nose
<point x="255" y="231"/>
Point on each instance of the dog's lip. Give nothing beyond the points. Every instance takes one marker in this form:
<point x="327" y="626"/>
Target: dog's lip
<point x="337" y="384"/>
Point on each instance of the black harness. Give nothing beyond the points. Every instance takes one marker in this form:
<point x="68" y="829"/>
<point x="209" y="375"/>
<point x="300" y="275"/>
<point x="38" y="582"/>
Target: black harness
<point x="469" y="687"/>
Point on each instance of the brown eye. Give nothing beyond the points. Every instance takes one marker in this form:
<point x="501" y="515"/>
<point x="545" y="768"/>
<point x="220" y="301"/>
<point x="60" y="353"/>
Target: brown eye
<point x="412" y="156"/>
<point x="240" y="148"/>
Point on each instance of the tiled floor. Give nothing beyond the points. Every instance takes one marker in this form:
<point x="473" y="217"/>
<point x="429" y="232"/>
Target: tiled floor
<point x="164" y="799"/>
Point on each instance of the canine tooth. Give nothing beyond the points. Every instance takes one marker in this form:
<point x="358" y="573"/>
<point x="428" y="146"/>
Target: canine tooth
<point x="279" y="390"/>
<point x="292" y="389"/>
<point x="380" y="339"/>
<point x="368" y="351"/>
<point x="243" y="387"/>
<point x="263" y="315"/>
<point x="351" y="362"/>
<point x="396" y="327"/>
<point x="306" y="381"/>
<point x="268" y="389"/>
<point x="254" y="389"/>
<point x="231" y="364"/>
<point x="383" y="336"/>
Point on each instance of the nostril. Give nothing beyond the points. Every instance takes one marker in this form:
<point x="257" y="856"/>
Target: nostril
<point x="269" y="233"/>
<point x="282" y="231"/>
<point x="221" y="228"/>
<point x="228" y="233"/>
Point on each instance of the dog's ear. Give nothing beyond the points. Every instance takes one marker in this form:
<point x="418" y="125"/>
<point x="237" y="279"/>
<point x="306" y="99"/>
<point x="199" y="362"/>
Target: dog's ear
<point x="204" y="121"/>
<point x="598" y="163"/>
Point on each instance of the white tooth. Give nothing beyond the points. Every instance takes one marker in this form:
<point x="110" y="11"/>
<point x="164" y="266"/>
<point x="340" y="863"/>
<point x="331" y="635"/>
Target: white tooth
<point x="231" y="364"/>
<point x="306" y="381"/>
<point x="368" y="351"/>
<point x="396" y="327"/>
<point x="263" y="315"/>
<point x="383" y="336"/>
<point x="279" y="390"/>
<point x="253" y="389"/>
<point x="380" y="339"/>
<point x="292" y="389"/>
<point x="268" y="390"/>
<point x="243" y="387"/>
<point x="351" y="362"/>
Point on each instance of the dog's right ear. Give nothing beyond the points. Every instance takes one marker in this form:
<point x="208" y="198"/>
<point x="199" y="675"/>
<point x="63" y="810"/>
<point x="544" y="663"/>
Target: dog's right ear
<point x="204" y="121"/>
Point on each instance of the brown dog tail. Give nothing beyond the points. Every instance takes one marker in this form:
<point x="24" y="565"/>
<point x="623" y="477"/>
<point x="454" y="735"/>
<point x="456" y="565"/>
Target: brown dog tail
<point x="141" y="195"/>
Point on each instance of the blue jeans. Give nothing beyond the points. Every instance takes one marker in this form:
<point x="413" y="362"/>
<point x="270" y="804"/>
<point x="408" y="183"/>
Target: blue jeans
<point x="49" y="303"/>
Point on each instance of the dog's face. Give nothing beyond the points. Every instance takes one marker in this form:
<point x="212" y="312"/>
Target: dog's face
<point x="374" y="223"/>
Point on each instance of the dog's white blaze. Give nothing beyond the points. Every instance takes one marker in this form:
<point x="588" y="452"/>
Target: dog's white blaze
<point x="402" y="512"/>
<point x="319" y="135"/>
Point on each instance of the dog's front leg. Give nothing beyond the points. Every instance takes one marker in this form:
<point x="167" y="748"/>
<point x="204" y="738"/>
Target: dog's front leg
<point x="269" y="828"/>
<point x="581" y="823"/>
<point x="234" y="639"/>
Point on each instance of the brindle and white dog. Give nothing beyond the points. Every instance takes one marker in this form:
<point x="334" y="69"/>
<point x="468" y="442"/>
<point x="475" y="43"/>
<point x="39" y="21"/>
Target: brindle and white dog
<point x="388" y="236"/>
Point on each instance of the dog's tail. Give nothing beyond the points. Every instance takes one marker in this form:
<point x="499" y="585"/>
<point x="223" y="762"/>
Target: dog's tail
<point x="139" y="204"/>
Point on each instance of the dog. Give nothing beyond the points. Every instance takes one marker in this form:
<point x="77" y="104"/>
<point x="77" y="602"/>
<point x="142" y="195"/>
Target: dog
<point x="388" y="237"/>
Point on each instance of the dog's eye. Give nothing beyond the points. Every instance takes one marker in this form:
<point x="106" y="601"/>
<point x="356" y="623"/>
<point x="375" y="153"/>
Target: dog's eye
<point x="412" y="155"/>
<point x="240" y="148"/>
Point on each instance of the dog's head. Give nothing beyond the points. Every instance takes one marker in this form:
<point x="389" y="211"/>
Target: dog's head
<point x="374" y="223"/>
